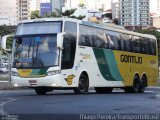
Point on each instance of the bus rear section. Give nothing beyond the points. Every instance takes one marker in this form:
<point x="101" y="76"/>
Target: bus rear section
<point x="118" y="58"/>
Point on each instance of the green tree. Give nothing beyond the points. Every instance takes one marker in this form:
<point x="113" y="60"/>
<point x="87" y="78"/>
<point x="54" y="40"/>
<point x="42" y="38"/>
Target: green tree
<point x="68" y="13"/>
<point x="9" y="42"/>
<point x="58" y="13"/>
<point x="5" y="30"/>
<point x="35" y="14"/>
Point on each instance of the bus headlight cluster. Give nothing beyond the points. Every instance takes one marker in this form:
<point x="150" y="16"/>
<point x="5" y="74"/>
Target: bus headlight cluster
<point x="54" y="72"/>
<point x="13" y="73"/>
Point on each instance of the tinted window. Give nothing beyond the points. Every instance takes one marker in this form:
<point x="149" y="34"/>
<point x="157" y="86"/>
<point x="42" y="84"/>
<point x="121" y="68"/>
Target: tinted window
<point x="122" y="42"/>
<point x="99" y="38"/>
<point x="86" y="36"/>
<point x="69" y="45"/>
<point x="151" y="46"/>
<point x="143" y="46"/>
<point x="115" y="40"/>
<point x="136" y="44"/>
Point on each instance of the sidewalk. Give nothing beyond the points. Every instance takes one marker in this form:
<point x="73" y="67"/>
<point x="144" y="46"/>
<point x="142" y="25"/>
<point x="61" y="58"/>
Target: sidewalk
<point x="5" y="85"/>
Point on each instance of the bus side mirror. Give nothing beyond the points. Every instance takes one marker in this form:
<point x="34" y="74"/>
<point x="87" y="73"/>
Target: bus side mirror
<point x="60" y="40"/>
<point x="6" y="42"/>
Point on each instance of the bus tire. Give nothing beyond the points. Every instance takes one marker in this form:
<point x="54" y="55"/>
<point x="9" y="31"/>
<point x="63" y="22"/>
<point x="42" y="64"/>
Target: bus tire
<point x="143" y="83"/>
<point x="40" y="91"/>
<point x="82" y="85"/>
<point x="102" y="90"/>
<point x="136" y="86"/>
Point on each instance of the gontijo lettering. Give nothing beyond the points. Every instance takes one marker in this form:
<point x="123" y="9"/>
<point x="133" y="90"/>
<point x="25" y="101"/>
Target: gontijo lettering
<point x="131" y="59"/>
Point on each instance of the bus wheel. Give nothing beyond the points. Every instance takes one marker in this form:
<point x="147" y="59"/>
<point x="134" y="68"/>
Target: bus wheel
<point x="142" y="84"/>
<point x="103" y="89"/>
<point x="83" y="85"/>
<point x="40" y="91"/>
<point x="136" y="84"/>
<point x="135" y="87"/>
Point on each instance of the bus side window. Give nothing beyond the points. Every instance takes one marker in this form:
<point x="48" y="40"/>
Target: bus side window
<point x="143" y="45"/>
<point x="153" y="47"/>
<point x="111" y="44"/>
<point x="136" y="44"/>
<point x="98" y="38"/>
<point x="69" y="44"/>
<point x="82" y="40"/>
<point x="105" y="42"/>
<point x="127" y="42"/>
<point x="68" y="53"/>
<point x="85" y="37"/>
<point x="123" y="46"/>
<point x="87" y="41"/>
<point x="115" y="41"/>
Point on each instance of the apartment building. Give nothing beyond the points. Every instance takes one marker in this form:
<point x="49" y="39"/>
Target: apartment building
<point x="23" y="9"/>
<point x="34" y="5"/>
<point x="115" y="10"/>
<point x="57" y="4"/>
<point x="134" y="13"/>
<point x="37" y="4"/>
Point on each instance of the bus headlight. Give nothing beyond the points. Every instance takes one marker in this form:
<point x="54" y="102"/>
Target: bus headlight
<point x="54" y="72"/>
<point x="13" y="73"/>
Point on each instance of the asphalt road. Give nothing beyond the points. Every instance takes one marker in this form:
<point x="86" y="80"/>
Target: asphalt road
<point x="63" y="104"/>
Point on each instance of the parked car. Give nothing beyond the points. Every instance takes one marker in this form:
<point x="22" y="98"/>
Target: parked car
<point x="3" y="69"/>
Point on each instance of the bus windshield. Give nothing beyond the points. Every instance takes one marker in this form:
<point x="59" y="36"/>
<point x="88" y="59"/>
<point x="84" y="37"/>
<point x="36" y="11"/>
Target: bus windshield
<point x="37" y="51"/>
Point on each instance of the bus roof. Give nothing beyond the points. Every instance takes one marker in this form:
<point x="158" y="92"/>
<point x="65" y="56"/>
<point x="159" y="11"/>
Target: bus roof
<point x="106" y="26"/>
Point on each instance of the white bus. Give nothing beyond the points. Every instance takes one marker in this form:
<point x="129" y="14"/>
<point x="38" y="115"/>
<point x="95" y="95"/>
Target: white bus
<point x="65" y="53"/>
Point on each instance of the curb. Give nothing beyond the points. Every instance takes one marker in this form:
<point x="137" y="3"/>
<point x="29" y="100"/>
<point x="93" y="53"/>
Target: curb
<point x="5" y="85"/>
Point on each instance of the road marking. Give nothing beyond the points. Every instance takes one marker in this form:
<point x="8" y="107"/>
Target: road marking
<point x="2" y="111"/>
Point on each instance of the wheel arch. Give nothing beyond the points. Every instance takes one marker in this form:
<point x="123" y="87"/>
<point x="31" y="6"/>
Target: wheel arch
<point x="84" y="72"/>
<point x="136" y="74"/>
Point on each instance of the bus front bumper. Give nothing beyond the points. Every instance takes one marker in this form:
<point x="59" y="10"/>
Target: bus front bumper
<point x="47" y="81"/>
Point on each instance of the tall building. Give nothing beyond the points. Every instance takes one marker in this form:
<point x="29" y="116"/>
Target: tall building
<point x="8" y="12"/>
<point x="23" y="9"/>
<point x="90" y="4"/>
<point x="37" y="4"/>
<point x="57" y="4"/>
<point x="115" y="10"/>
<point x="155" y="6"/>
<point x="45" y="8"/>
<point x="134" y="13"/>
<point x="34" y="5"/>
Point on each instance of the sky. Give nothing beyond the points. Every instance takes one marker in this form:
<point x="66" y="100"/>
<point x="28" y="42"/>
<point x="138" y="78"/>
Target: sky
<point x="93" y="3"/>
